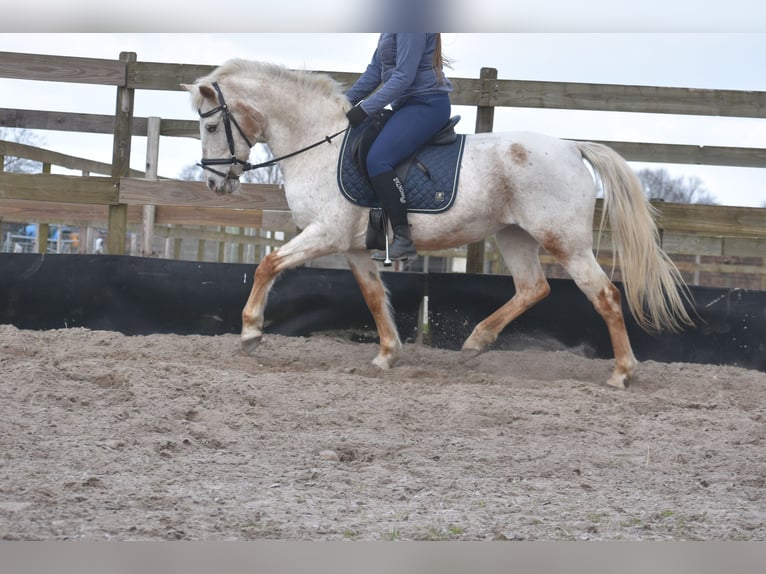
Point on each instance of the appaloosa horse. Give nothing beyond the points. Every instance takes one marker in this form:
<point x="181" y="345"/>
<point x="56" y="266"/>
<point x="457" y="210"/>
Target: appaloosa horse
<point x="527" y="189"/>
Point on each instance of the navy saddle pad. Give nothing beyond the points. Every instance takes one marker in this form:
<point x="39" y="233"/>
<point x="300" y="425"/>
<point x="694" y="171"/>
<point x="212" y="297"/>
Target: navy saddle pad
<point x="430" y="180"/>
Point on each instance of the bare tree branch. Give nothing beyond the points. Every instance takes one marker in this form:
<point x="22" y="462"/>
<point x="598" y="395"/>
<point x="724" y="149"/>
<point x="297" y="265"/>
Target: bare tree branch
<point x="19" y="164"/>
<point x="658" y="184"/>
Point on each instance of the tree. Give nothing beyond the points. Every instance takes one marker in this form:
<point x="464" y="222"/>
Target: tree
<point x="19" y="164"/>
<point x="658" y="184"/>
<point x="261" y="154"/>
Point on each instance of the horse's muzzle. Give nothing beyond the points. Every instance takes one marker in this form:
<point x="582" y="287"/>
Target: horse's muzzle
<point x="224" y="186"/>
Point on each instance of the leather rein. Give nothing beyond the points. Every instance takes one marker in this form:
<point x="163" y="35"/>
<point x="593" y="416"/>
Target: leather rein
<point x="228" y="120"/>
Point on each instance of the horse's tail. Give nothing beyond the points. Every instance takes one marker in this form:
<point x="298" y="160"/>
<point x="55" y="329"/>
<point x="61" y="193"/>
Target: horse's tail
<point x="654" y="289"/>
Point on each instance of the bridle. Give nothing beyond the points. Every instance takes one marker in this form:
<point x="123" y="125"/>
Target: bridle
<point x="228" y="120"/>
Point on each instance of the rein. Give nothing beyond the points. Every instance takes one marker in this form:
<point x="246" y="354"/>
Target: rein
<point x="229" y="119"/>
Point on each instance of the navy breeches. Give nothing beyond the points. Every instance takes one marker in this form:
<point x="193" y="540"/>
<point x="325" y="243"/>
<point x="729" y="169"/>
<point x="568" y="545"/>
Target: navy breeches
<point x="409" y="128"/>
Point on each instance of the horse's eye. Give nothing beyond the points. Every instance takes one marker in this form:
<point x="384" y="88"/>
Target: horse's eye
<point x="211" y="128"/>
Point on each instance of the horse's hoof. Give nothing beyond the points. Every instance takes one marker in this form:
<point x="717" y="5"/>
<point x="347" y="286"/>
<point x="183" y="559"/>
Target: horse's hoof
<point x="623" y="374"/>
<point x="383" y="363"/>
<point x="251" y="344"/>
<point x="618" y="381"/>
<point x="468" y="354"/>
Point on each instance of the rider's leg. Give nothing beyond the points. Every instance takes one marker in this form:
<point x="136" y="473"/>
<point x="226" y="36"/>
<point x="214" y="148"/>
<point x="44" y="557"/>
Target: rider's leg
<point x="408" y="129"/>
<point x="392" y="197"/>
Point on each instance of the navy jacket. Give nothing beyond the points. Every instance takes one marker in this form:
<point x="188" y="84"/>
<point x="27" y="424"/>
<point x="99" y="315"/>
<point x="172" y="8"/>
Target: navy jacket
<point x="402" y="66"/>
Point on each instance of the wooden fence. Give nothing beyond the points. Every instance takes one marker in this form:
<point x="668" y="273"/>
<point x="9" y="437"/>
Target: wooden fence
<point x="714" y="239"/>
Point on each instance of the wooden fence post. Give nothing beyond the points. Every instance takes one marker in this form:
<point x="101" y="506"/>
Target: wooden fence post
<point x="485" y="116"/>
<point x="123" y="130"/>
<point x="43" y="229"/>
<point x="221" y="246"/>
<point x="152" y="157"/>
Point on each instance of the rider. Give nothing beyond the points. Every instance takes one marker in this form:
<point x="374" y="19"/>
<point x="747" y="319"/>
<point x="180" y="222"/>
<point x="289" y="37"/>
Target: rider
<point x="408" y="68"/>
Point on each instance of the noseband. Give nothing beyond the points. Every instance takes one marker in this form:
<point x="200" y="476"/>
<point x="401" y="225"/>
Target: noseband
<point x="229" y="119"/>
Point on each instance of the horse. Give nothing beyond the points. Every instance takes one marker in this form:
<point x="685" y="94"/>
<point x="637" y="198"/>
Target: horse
<point x="529" y="190"/>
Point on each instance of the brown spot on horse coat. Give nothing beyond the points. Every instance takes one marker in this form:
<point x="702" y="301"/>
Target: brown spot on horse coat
<point x="552" y="244"/>
<point x="252" y="121"/>
<point x="519" y="154"/>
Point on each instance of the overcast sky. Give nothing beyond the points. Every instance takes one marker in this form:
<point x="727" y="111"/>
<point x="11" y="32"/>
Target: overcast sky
<point x="689" y="56"/>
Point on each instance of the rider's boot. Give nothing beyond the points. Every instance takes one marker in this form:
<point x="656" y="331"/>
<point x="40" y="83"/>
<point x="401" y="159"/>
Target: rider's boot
<point x="392" y="197"/>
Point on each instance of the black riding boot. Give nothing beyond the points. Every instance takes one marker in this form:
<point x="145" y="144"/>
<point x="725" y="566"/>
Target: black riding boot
<point x="401" y="248"/>
<point x="390" y="191"/>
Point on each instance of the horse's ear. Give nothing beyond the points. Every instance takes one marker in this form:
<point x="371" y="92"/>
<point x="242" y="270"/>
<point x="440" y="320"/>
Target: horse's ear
<point x="207" y="92"/>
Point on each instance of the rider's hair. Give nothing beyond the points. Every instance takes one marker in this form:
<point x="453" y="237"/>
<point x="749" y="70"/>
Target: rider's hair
<point x="440" y="61"/>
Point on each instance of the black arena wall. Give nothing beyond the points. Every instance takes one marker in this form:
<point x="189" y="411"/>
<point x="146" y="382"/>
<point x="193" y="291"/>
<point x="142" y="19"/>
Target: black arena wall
<point x="139" y="296"/>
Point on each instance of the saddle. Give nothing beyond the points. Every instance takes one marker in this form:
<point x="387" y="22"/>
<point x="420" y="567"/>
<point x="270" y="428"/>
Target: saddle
<point x="360" y="147"/>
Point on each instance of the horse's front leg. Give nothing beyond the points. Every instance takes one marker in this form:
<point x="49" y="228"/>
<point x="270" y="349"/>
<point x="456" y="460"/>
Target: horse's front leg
<point x="375" y="294"/>
<point x="304" y="247"/>
<point x="253" y="312"/>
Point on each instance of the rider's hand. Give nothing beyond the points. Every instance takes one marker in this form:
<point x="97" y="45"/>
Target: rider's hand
<point x="356" y="115"/>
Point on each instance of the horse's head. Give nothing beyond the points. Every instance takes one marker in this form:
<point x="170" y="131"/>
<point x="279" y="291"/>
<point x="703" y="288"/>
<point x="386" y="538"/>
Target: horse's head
<point x="228" y="129"/>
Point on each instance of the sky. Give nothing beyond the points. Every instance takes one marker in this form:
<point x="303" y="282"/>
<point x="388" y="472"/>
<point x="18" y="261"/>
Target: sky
<point x="717" y="53"/>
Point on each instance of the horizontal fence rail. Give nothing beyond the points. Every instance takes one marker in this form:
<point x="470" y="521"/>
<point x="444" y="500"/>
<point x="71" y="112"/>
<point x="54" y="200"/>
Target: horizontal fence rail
<point x="116" y="198"/>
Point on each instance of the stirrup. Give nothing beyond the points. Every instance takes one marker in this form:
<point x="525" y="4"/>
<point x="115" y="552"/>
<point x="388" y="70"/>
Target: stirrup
<point x="386" y="258"/>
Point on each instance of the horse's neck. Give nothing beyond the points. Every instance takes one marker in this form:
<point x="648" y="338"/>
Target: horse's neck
<point x="295" y="123"/>
<point x="287" y="139"/>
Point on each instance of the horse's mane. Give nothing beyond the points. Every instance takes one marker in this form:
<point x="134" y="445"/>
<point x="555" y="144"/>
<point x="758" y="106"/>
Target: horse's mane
<point x="316" y="83"/>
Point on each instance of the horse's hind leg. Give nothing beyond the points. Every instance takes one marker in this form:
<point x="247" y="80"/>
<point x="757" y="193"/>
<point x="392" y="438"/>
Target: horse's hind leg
<point x="591" y="279"/>
<point x="365" y="271"/>
<point x="520" y="253"/>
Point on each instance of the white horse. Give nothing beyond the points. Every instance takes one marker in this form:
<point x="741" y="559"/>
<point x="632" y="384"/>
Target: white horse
<point x="525" y="188"/>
